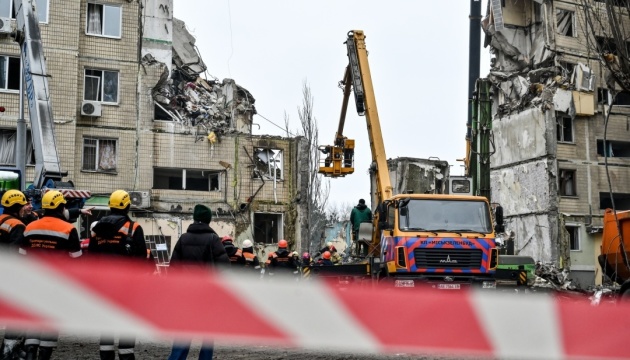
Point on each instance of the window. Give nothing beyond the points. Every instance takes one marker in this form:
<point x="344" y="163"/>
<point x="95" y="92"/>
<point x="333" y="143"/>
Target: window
<point x="186" y="179"/>
<point x="604" y="97"/>
<point x="565" y="128"/>
<point x="267" y="228"/>
<point x="10" y="72"/>
<point x="623" y="3"/>
<point x="7" y="10"/>
<point x="101" y="85"/>
<point x="8" y="142"/>
<point x="613" y="148"/>
<point x="565" y="20"/>
<point x="574" y="237"/>
<point x="567" y="68"/>
<point x="608" y="45"/>
<point x="104" y="20"/>
<point x="99" y="155"/>
<point x="567" y="183"/>
<point x="268" y="163"/>
<point x="622" y="201"/>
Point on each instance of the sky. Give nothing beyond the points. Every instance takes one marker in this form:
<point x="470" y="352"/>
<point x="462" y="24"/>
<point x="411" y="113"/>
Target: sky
<point x="418" y="56"/>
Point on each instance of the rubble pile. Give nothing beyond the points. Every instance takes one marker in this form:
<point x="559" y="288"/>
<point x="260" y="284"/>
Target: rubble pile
<point x="549" y="276"/>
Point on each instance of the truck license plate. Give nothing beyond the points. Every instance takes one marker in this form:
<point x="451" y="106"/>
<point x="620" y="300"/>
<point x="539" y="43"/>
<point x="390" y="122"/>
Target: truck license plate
<point x="448" y="286"/>
<point x="404" y="283"/>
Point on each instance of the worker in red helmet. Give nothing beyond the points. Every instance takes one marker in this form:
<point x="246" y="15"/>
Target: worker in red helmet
<point x="234" y="253"/>
<point x="281" y="259"/>
<point x="325" y="259"/>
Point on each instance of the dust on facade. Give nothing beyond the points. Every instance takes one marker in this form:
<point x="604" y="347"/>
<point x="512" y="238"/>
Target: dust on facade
<point x="133" y="111"/>
<point x="550" y="97"/>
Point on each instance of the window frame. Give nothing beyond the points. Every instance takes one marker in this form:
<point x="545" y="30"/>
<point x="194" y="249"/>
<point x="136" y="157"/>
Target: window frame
<point x="30" y="152"/>
<point x="101" y="86"/>
<point x="220" y="174"/>
<point x="562" y="183"/>
<point x="257" y="174"/>
<point x="5" y="88"/>
<point x="279" y="226"/>
<point x="573" y="23"/>
<point x="560" y="135"/>
<point x="103" y="6"/>
<point x="576" y="235"/>
<point x="97" y="154"/>
<point x="47" y="13"/>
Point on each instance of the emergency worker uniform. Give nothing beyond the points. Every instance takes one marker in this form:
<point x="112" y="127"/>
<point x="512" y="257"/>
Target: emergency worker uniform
<point x="281" y="261"/>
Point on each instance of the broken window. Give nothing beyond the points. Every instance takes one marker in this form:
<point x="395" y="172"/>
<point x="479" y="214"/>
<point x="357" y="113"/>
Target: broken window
<point x="608" y="45"/>
<point x="574" y="237"/>
<point x="565" y="20"/>
<point x="565" y="128"/>
<point x="10" y="72"/>
<point x="613" y="148"/>
<point x="604" y="97"/>
<point x="8" y="11"/>
<point x="622" y="201"/>
<point x="567" y="183"/>
<point x="8" y="142"/>
<point x="268" y="163"/>
<point x="623" y="3"/>
<point x="567" y="68"/>
<point x="99" y="155"/>
<point x="186" y="179"/>
<point x="101" y="85"/>
<point x="267" y="228"/>
<point x="104" y="20"/>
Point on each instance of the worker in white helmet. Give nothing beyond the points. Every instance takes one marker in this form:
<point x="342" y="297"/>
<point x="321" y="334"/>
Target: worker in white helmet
<point x="250" y="260"/>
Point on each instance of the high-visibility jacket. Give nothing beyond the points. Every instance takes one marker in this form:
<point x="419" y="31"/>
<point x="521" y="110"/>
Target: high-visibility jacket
<point x="251" y="260"/>
<point x="120" y="243"/>
<point x="281" y="259"/>
<point x="50" y="234"/>
<point x="11" y="230"/>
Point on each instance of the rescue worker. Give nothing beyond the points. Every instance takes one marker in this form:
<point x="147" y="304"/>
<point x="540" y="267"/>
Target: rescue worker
<point x="325" y="259"/>
<point x="117" y="235"/>
<point x="249" y="257"/>
<point x="51" y="233"/>
<point x="360" y="214"/>
<point x="11" y="233"/>
<point x="335" y="257"/>
<point x="281" y="260"/>
<point x="192" y="250"/>
<point x="305" y="262"/>
<point x="234" y="253"/>
<point x="324" y="249"/>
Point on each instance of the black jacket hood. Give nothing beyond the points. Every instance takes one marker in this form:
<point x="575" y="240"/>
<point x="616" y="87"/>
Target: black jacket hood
<point x="109" y="225"/>
<point x="361" y="206"/>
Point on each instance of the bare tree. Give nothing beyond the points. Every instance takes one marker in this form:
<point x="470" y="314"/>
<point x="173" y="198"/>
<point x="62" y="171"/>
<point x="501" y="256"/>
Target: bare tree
<point x="606" y="21"/>
<point x="317" y="189"/>
<point x="338" y="212"/>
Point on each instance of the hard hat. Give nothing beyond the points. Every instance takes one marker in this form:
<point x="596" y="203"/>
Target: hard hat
<point x="333" y="249"/>
<point x="226" y="238"/>
<point x="12" y="197"/>
<point x="283" y="244"/>
<point x="52" y="199"/>
<point x="247" y="243"/>
<point x="326" y="255"/>
<point x="119" y="200"/>
<point x="306" y="255"/>
<point x="295" y="253"/>
<point x="329" y="244"/>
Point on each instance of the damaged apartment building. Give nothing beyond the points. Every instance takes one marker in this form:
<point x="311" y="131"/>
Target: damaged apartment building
<point x="133" y="111"/>
<point x="550" y="100"/>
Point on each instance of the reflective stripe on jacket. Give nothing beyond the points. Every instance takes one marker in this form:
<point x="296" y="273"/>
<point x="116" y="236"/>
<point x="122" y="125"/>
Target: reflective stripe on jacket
<point x="51" y="233"/>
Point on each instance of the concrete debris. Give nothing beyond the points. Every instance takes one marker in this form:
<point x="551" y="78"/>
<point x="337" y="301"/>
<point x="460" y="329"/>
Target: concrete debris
<point x="187" y="98"/>
<point x="549" y="276"/>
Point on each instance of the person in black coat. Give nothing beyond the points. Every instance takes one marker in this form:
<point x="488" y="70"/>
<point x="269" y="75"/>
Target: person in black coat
<point x="199" y="246"/>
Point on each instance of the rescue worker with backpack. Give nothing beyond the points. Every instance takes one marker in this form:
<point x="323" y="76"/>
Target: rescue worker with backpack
<point x="234" y="253"/>
<point x="249" y="257"/>
<point x="325" y="259"/>
<point x="117" y="235"/>
<point x="11" y="234"/>
<point x="51" y="233"/>
<point x="281" y="260"/>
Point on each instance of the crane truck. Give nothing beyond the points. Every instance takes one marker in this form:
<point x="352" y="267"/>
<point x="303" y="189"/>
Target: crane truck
<point x="48" y="173"/>
<point x="443" y="239"/>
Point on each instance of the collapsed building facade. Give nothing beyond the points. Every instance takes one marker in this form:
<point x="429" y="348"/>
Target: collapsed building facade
<point x="550" y="99"/>
<point x="132" y="112"/>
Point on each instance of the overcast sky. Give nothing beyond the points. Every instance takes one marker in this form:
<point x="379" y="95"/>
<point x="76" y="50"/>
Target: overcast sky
<point x="418" y="54"/>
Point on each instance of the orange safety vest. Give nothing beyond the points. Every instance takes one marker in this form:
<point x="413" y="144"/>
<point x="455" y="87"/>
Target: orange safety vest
<point x="51" y="233"/>
<point x="7" y="224"/>
<point x="115" y="241"/>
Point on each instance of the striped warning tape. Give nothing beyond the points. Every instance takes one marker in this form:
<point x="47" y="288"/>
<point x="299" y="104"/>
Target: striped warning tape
<point x="88" y="297"/>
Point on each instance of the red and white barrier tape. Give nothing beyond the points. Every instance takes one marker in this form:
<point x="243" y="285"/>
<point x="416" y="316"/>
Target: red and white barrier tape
<point x="87" y="297"/>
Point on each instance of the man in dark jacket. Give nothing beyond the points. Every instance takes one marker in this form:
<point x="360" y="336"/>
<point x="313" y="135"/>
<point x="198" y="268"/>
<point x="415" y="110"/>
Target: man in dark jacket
<point x="234" y="253"/>
<point x="117" y="235"/>
<point x="199" y="246"/>
<point x="359" y="214"/>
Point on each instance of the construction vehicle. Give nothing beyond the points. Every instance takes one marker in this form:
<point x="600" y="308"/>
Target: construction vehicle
<point x="48" y="173"/>
<point x="615" y="258"/>
<point x="446" y="240"/>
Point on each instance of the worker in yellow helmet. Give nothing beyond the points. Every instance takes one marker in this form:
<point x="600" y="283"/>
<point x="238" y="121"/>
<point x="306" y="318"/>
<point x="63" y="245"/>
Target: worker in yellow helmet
<point x="117" y="235"/>
<point x="51" y="233"/>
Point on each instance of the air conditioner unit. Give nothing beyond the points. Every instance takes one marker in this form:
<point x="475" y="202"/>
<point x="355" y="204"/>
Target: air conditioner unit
<point x="91" y="108"/>
<point x="5" y="25"/>
<point x="140" y="199"/>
